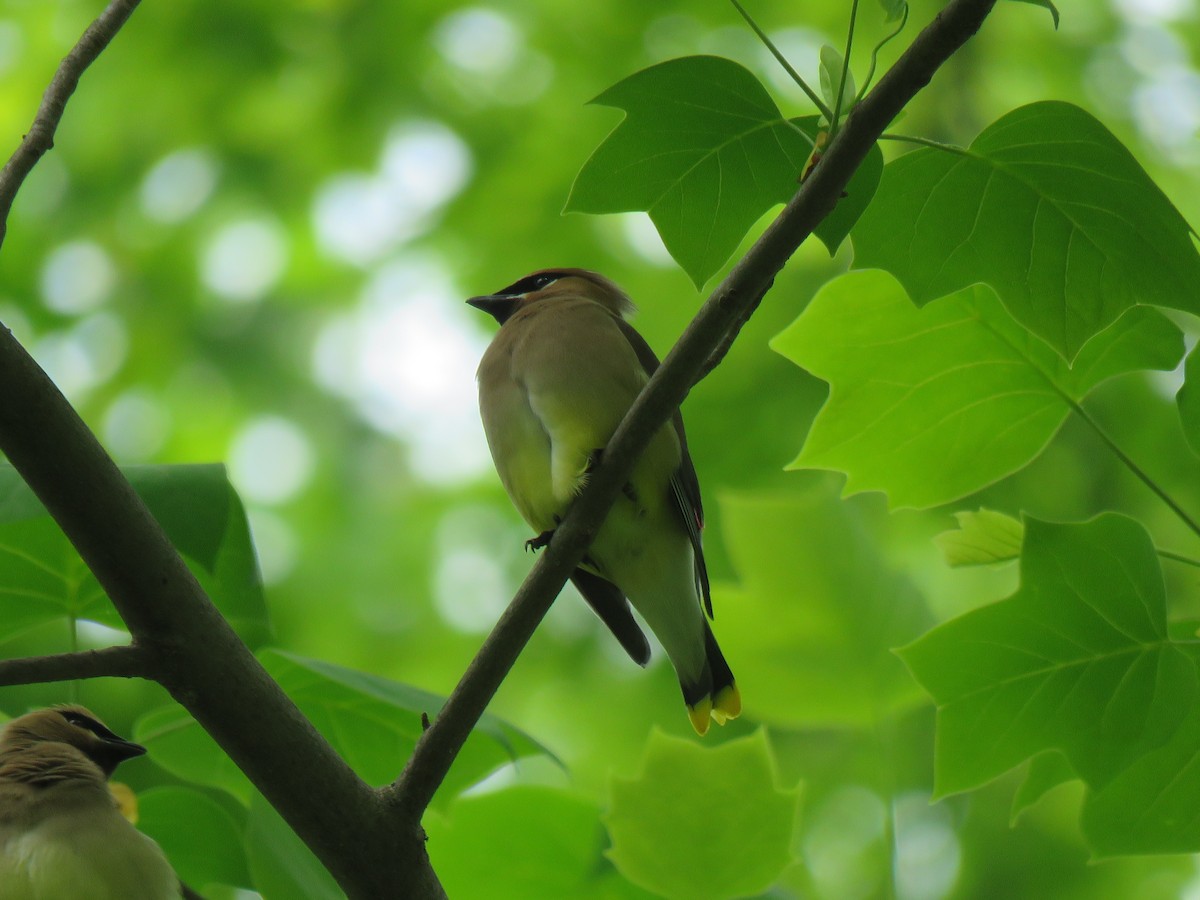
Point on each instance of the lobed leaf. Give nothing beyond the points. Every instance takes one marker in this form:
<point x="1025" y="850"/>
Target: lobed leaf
<point x="931" y="404"/>
<point x="703" y="822"/>
<point x="1049" y="209"/>
<point x="705" y="151"/>
<point x="1078" y="660"/>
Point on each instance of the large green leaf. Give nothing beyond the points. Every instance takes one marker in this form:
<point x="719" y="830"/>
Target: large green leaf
<point x="1078" y="660"/>
<point x="705" y="150"/>
<point x="1048" y="208"/>
<point x="931" y="404"/>
<point x="552" y="846"/>
<point x="827" y="661"/>
<point x="282" y="866"/>
<point x="371" y="721"/>
<point x="203" y="841"/>
<point x="42" y="578"/>
<point x="703" y="822"/>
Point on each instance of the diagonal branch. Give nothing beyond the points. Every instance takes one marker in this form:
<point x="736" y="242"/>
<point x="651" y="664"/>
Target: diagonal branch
<point x="40" y="137"/>
<point x="723" y="311"/>
<point x="128" y="661"/>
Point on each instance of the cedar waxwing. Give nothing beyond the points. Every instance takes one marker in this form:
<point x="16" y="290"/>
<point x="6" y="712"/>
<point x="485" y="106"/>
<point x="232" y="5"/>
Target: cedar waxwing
<point x="61" y="834"/>
<point x="553" y="385"/>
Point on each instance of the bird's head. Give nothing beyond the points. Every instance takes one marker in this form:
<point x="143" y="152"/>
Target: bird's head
<point x="73" y="726"/>
<point x="547" y="283"/>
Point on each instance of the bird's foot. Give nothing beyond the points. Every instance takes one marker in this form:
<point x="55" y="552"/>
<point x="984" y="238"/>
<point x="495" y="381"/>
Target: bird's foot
<point x="537" y="543"/>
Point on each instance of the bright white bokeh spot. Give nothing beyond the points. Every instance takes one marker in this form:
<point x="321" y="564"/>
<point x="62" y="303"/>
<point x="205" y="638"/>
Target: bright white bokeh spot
<point x="85" y="356"/>
<point x="928" y="855"/>
<point x="245" y="259"/>
<point x="270" y="460"/>
<point x="425" y="163"/>
<point x="478" y="40"/>
<point x="275" y="544"/>
<point x="136" y="426"/>
<point x="178" y="185"/>
<point x="77" y="277"/>
<point x="1167" y="107"/>
<point x="93" y="635"/>
<point x="842" y="837"/>
<point x="105" y="342"/>
<point x="471" y="587"/>
<point x="1153" y="10"/>
<point x="361" y="217"/>
<point x="12" y="44"/>
<point x="642" y="238"/>
<point x="406" y="359"/>
<point x="1153" y="48"/>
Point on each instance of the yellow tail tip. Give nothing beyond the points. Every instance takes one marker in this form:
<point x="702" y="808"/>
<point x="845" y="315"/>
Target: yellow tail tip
<point x="700" y="715"/>
<point x="727" y="704"/>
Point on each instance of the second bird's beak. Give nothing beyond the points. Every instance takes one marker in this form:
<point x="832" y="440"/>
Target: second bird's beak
<point x="498" y="306"/>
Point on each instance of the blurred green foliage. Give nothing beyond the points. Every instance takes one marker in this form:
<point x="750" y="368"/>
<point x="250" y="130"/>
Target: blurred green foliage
<point x="250" y="245"/>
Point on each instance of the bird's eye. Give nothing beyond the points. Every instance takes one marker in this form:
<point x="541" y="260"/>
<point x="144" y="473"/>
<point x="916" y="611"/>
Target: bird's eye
<point x="542" y="281"/>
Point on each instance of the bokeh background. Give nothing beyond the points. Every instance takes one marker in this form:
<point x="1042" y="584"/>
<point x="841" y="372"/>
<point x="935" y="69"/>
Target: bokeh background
<point x="252" y="242"/>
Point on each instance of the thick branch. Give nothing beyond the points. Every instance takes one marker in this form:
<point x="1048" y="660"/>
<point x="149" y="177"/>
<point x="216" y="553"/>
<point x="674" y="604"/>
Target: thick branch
<point x="744" y="286"/>
<point x="129" y="661"/>
<point x="41" y="133"/>
<point x="179" y="635"/>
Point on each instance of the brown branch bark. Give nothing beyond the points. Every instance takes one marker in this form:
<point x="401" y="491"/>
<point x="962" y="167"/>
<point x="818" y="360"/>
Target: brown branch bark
<point x="726" y="309"/>
<point x="40" y="138"/>
<point x="112" y="662"/>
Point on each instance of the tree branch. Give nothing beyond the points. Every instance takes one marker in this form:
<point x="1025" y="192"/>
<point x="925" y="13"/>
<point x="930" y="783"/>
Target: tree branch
<point x="180" y="637"/>
<point x="725" y="308"/>
<point x="128" y="661"/>
<point x="40" y="137"/>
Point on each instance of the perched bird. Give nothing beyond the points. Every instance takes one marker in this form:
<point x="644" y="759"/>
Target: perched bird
<point x="553" y="385"/>
<point x="61" y="835"/>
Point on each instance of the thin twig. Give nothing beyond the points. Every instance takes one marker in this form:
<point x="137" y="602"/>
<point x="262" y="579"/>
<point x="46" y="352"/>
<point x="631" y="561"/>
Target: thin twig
<point x="40" y="137"/>
<point x="782" y="60"/>
<point x="127" y="661"/>
<point x="410" y="794"/>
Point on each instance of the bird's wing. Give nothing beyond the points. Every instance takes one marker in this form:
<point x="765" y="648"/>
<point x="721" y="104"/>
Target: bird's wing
<point x="685" y="486"/>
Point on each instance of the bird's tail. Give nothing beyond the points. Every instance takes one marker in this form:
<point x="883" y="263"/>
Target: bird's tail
<point x="714" y="695"/>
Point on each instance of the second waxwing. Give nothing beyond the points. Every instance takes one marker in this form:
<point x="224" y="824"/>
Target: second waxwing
<point x="553" y="385"/>
<point x="62" y="836"/>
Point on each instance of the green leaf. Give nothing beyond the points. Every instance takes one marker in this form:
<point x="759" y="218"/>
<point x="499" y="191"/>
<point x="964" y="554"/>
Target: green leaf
<point x="372" y="722"/>
<point x="981" y="538"/>
<point x="1077" y="660"/>
<point x="283" y="868"/>
<point x="1045" y="4"/>
<point x="177" y="744"/>
<point x="43" y="580"/>
<point x="551" y="848"/>
<point x="931" y="404"/>
<point x="831" y="78"/>
<point x="826" y="662"/>
<point x="1049" y="209"/>
<point x="1188" y="399"/>
<point x="1151" y="807"/>
<point x="894" y="9"/>
<point x="705" y="151"/>
<point x="1046" y="772"/>
<point x="201" y="839"/>
<point x="703" y="822"/>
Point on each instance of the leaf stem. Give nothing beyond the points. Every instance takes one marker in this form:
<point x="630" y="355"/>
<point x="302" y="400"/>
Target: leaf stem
<point x="925" y="142"/>
<point x="837" y="106"/>
<point x="787" y="66"/>
<point x="1178" y="557"/>
<point x="875" y="54"/>
<point x="1137" y="470"/>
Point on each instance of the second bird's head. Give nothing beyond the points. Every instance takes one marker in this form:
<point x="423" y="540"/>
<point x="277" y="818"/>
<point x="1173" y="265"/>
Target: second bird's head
<point x="73" y="726"/>
<point x="547" y="283"/>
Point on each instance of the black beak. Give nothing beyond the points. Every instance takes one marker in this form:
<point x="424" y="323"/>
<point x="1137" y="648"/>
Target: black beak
<point x="498" y="306"/>
<point x="113" y="751"/>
